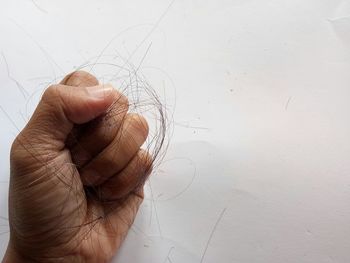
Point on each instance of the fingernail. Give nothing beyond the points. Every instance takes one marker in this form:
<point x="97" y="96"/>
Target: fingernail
<point x="100" y="91"/>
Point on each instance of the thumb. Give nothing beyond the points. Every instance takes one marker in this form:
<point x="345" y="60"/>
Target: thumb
<point x="60" y="108"/>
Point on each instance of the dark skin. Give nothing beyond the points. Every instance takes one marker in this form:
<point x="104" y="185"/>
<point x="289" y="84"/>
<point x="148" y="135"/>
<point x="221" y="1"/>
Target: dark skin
<point x="77" y="175"/>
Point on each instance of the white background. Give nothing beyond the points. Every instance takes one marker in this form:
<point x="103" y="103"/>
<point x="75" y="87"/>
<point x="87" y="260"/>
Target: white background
<point x="260" y="145"/>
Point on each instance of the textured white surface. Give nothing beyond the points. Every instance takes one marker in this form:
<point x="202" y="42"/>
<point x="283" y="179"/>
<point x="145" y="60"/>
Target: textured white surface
<point x="261" y="119"/>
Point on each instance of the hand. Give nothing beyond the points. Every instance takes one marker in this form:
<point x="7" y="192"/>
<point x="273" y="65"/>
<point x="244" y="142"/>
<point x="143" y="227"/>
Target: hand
<point x="77" y="175"/>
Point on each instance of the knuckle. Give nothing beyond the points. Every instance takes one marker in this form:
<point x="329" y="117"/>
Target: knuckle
<point x="51" y="92"/>
<point x="122" y="99"/>
<point x="121" y="104"/>
<point x="146" y="161"/>
<point x="138" y="123"/>
<point x="52" y="98"/>
<point x="118" y="109"/>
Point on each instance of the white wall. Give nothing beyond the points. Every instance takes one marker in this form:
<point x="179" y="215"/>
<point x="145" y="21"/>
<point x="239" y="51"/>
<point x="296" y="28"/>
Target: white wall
<point x="261" y="125"/>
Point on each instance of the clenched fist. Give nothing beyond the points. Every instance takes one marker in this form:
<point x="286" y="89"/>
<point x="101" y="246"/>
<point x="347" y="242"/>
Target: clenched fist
<point x="77" y="174"/>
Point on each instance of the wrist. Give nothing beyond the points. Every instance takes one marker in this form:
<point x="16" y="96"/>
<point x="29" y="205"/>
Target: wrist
<point x="11" y="256"/>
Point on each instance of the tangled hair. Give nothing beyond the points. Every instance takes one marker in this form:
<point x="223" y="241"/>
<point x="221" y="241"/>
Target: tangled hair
<point x="143" y="100"/>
